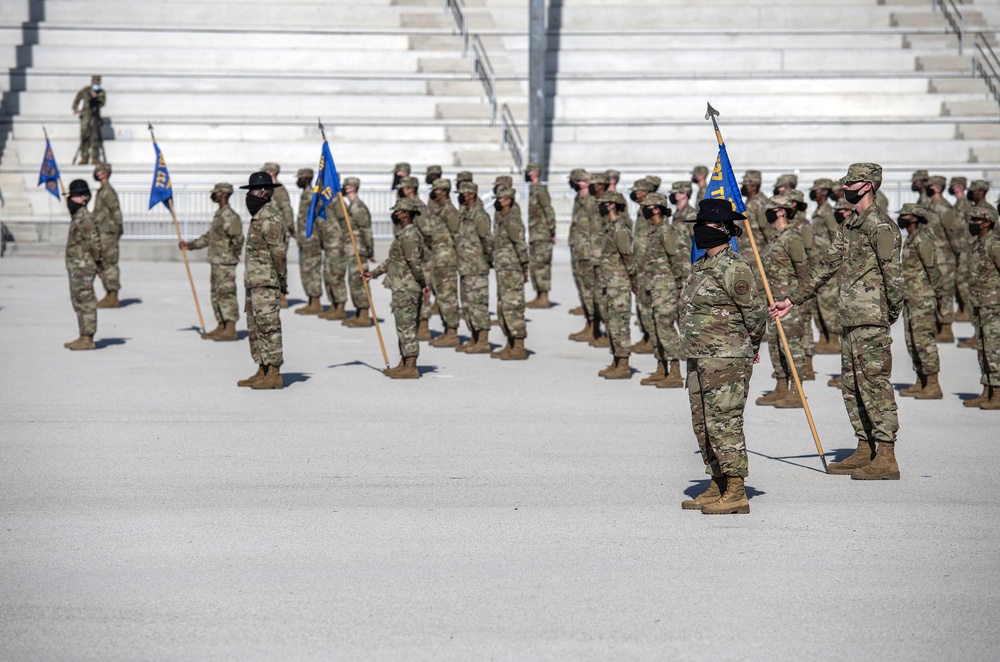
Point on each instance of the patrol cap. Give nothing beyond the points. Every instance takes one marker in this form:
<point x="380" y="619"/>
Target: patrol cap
<point x="614" y="174"/>
<point x="979" y="185"/>
<point x="654" y="180"/>
<point x="958" y="181"/>
<point x="271" y="166"/>
<point x="600" y="178"/>
<point x="95" y="79"/>
<point x="798" y="198"/>
<point x="984" y="210"/>
<point x="505" y="181"/>
<point x="657" y="200"/>
<point x="822" y="183"/>
<point x="913" y="209"/>
<point x="642" y="185"/>
<point x="919" y="174"/>
<point x="682" y="186"/>
<point x="434" y="170"/>
<point x="938" y="180"/>
<point x="615" y="197"/>
<point x="781" y="202"/>
<point x="468" y="187"/>
<point x="838" y="188"/>
<point x="352" y="181"/>
<point x="103" y="167"/>
<point x="699" y="170"/>
<point x="304" y="172"/>
<point x="505" y="192"/>
<point x="579" y="175"/>
<point x="464" y="176"/>
<point x="865" y="172"/>
<point x="752" y="177"/>
<point x="78" y="187"/>
<point x="402" y="166"/>
<point x="534" y="167"/>
<point x="791" y="181"/>
<point x="843" y="205"/>
<point x="440" y="184"/>
<point x="405" y="204"/>
<point x="412" y="182"/>
<point x="261" y="180"/>
<point x="223" y="187"/>
<point x="718" y="211"/>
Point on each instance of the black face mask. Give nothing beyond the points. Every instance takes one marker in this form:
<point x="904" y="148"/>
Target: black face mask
<point x="303" y="182"/>
<point x="430" y="179"/>
<point x="73" y="207"/>
<point x="96" y="178"/>
<point x="574" y="185"/>
<point x="694" y="180"/>
<point x="854" y="197"/>
<point x="706" y="236"/>
<point x="744" y="192"/>
<point x="915" y="186"/>
<point x="592" y="189"/>
<point x="255" y="204"/>
<point x="496" y="205"/>
<point x="974" y="229"/>
<point x="647" y="213"/>
<point x="841" y="218"/>
<point x="604" y="209"/>
<point x="527" y="178"/>
<point x="396" y="178"/>
<point x="902" y="224"/>
<point x="812" y="195"/>
<point x="212" y="196"/>
<point x="771" y="215"/>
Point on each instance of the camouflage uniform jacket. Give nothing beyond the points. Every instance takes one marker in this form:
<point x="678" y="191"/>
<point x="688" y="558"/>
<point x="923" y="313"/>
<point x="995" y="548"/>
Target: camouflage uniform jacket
<point x="108" y="212"/>
<point x="618" y="265"/>
<point x="361" y="224"/>
<point x="81" y="102"/>
<point x="265" y="252"/>
<point x="871" y="284"/>
<point x="805" y="231"/>
<point x="83" y="244"/>
<point x="954" y="228"/>
<point x="595" y="231"/>
<point x="404" y="268"/>
<point x="283" y="204"/>
<point x="428" y="224"/>
<point x="445" y="236"/>
<point x="685" y="231"/>
<point x="757" y="220"/>
<point x="300" y="221"/>
<point x="475" y="242"/>
<point x="640" y="234"/>
<point x="541" y="215"/>
<point x="921" y="274"/>
<point x="721" y="312"/>
<point x="785" y="261"/>
<point x="962" y="208"/>
<point x="984" y="272"/>
<point x="824" y="225"/>
<point x="224" y="239"/>
<point x="664" y="266"/>
<point x="579" y="228"/>
<point x="510" y="253"/>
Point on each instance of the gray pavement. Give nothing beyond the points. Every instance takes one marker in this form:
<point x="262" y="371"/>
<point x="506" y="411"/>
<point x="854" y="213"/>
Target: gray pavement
<point x="149" y="509"/>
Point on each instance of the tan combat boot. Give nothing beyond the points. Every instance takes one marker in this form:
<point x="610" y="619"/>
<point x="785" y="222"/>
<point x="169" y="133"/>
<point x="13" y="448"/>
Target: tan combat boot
<point x="210" y="335"/>
<point x="482" y="345"/>
<point x="862" y="457"/>
<point x="576" y="311"/>
<point x="913" y="391"/>
<point x="978" y="400"/>
<point x="779" y="392"/>
<point x="329" y="313"/>
<point x="407" y="369"/>
<point x="883" y="467"/>
<point x="714" y="491"/>
<point x="82" y="343"/>
<point x="110" y="300"/>
<point x="661" y="372"/>
<point x="284" y="301"/>
<point x="611" y="367"/>
<point x="584" y="334"/>
<point x="791" y="401"/>
<point x="621" y="370"/>
<point x="969" y="343"/>
<point x="314" y="307"/>
<point x="435" y="309"/>
<point x="252" y="378"/>
<point x="993" y="402"/>
<point x="601" y="342"/>
<point x="810" y="371"/>
<point x="517" y="351"/>
<point x="227" y="333"/>
<point x="464" y="347"/>
<point x="271" y="379"/>
<point x="447" y="339"/>
<point x="732" y="502"/>
<point x="836" y="382"/>
<point x="503" y="351"/>
<point x="673" y="378"/>
<point x="361" y="320"/>
<point x="540" y="301"/>
<point x="931" y="390"/>
<point x="423" y="331"/>
<point x="962" y="315"/>
<point x="945" y="334"/>
<point x="645" y="346"/>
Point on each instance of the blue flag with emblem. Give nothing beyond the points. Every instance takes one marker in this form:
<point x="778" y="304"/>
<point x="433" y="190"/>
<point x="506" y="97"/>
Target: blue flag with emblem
<point x="722" y="186"/>
<point x="161" y="191"/>
<point x="327" y="185"/>
<point x="49" y="172"/>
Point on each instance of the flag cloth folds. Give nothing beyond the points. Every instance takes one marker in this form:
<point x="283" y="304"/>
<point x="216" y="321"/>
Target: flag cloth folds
<point x="327" y="186"/>
<point x="49" y="172"/>
<point x="722" y="186"/>
<point x="161" y="191"/>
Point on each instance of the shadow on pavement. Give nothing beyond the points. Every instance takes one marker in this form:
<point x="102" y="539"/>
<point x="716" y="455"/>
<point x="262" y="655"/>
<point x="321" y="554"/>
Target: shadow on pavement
<point x="242" y="335"/>
<point x="426" y="369"/>
<point x="108" y="342"/>
<point x="795" y="457"/>
<point x="352" y="363"/>
<point x="295" y="377"/>
<point x="125" y="303"/>
<point x="699" y="486"/>
<point x="967" y="396"/>
<point x="294" y="302"/>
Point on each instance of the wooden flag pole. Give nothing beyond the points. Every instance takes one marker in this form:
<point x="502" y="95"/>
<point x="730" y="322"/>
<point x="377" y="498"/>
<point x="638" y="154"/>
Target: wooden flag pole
<point x="781" y="331"/>
<point x="180" y="241"/>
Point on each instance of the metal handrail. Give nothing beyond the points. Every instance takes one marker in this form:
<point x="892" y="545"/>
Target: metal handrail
<point x="457" y="8"/>
<point x="482" y="70"/>
<point x="986" y="64"/>
<point x="955" y="17"/>
<point x="510" y="138"/>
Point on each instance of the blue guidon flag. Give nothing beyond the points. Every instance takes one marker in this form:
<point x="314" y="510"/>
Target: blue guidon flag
<point x="722" y="186"/>
<point x="161" y="191"/>
<point x="327" y="186"/>
<point x="49" y="172"/>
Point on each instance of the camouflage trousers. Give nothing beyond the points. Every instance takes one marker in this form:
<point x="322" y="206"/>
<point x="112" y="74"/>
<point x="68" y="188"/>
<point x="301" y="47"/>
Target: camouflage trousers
<point x="476" y="302"/>
<point x="644" y="312"/>
<point x="808" y="339"/>
<point x="264" y="325"/>
<point x="617" y="306"/>
<point x="335" y="268"/>
<point x="988" y="322"/>
<point x="311" y="267"/>
<point x="824" y="309"/>
<point x="355" y="284"/>
<point x="109" y="257"/>
<point x="717" y="390"/>
<point x="866" y="366"/>
<point x="663" y="312"/>
<point x="794" y="325"/>
<point x="600" y="307"/>
<point x="425" y="311"/>
<point x="540" y="257"/>
<point x="81" y="294"/>
<point x="406" y="305"/>
<point x="510" y="303"/>
<point x="947" y="313"/>
<point x="446" y="279"/>
<point x="224" y="303"/>
<point x="90" y="141"/>
<point x="583" y="276"/>
<point x="918" y="324"/>
<point x="962" y="281"/>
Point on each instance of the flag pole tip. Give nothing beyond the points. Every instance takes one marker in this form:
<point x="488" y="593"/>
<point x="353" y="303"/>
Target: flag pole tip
<point x="711" y="112"/>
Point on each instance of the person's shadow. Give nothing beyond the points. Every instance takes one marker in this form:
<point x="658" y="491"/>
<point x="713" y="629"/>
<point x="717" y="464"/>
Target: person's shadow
<point x="108" y="342"/>
<point x="425" y="370"/>
<point x="125" y="303"/>
<point x="699" y="486"/>
<point x="354" y="363"/>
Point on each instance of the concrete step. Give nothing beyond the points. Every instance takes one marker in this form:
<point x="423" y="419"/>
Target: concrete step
<point x="452" y="110"/>
<point x="695" y="130"/>
<point x="980" y="132"/>
<point x="985" y="154"/>
<point x="723" y="16"/>
<point x="965" y="85"/>
<point x="197" y="39"/>
<point x="984" y="108"/>
<point x="800" y="87"/>
<point x="961" y="63"/>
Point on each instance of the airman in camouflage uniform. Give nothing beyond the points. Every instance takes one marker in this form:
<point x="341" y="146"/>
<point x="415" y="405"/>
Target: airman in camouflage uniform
<point x="283" y="204"/>
<point x="684" y="214"/>
<point x="640" y="236"/>
<point x="977" y="192"/>
<point x="754" y="206"/>
<point x="918" y="184"/>
<point x="957" y="242"/>
<point x="266" y="279"/>
<point x="800" y="224"/>
<point x="617" y="280"/>
<point x="432" y="175"/>
<point x="108" y="217"/>
<point x="824" y="231"/>
<point x="722" y="323"/>
<point x="332" y="235"/>
<point x="310" y="250"/>
<point x="614" y="176"/>
<point x="663" y="268"/>
<point x="506" y="181"/>
<point x="962" y="207"/>
<point x="699" y="177"/>
<point x="598" y="186"/>
<point x="510" y="260"/>
<point x="984" y="297"/>
<point x="541" y="236"/>
<point x="475" y="257"/>
<point x="83" y="264"/>
<point x="87" y="104"/>
<point x="336" y="240"/>
<point x="407" y="189"/>
<point x="922" y="290"/>
<point x="871" y="299"/>
<point x="404" y="269"/>
<point x="579" y="247"/>
<point x="785" y="265"/>
<point x="224" y="240"/>
<point x="445" y="257"/>
<point x="399" y="171"/>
